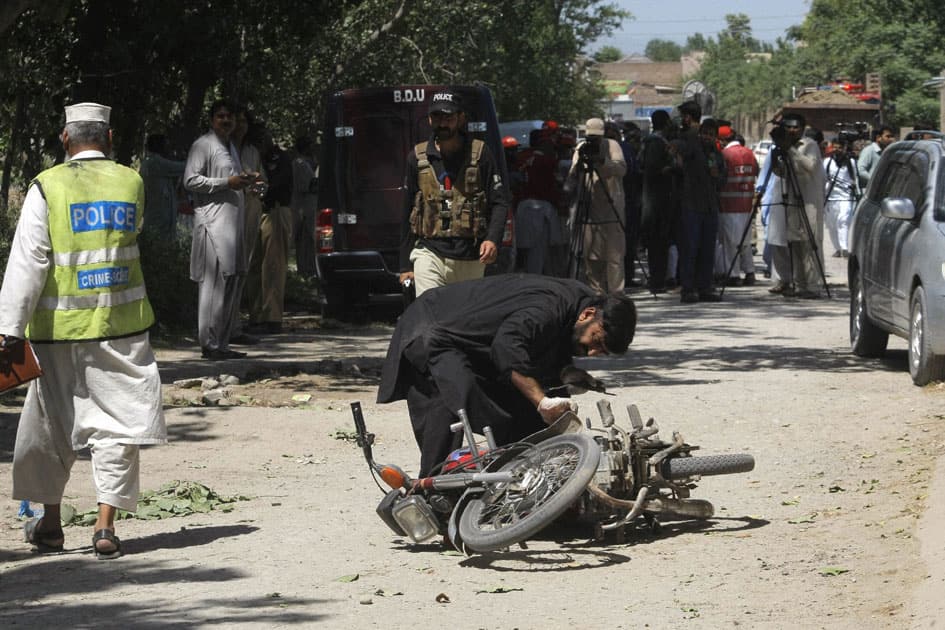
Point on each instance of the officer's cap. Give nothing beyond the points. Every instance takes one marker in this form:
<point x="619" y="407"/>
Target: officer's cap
<point x="88" y="112"/>
<point x="447" y="102"/>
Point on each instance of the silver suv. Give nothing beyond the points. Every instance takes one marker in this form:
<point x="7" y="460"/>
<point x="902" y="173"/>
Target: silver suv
<point x="896" y="269"/>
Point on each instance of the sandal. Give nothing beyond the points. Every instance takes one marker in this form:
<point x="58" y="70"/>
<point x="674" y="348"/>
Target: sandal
<point x="45" y="542"/>
<point x="109" y="536"/>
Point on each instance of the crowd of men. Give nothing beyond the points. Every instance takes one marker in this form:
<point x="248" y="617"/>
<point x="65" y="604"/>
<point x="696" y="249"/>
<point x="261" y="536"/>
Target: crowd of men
<point x="682" y="197"/>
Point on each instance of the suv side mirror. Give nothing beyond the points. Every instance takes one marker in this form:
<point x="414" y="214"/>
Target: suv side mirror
<point x="898" y="208"/>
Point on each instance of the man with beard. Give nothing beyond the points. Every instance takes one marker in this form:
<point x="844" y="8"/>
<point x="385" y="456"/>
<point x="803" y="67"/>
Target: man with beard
<point x="456" y="203"/>
<point x="494" y="347"/>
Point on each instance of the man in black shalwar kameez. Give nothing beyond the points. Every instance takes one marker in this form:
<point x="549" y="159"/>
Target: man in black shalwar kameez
<point x="492" y="347"/>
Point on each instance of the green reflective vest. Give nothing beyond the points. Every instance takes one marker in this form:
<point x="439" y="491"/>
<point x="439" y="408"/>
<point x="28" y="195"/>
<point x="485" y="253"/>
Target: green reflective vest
<point x="94" y="289"/>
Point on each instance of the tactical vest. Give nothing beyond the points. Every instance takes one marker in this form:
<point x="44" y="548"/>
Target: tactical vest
<point x="457" y="212"/>
<point x="737" y="194"/>
<point x="95" y="288"/>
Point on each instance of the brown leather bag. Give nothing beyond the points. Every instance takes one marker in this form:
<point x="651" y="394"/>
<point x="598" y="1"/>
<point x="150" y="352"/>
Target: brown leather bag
<point x="18" y="364"/>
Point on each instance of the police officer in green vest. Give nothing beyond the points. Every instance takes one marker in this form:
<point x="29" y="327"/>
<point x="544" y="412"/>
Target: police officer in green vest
<point x="73" y="286"/>
<point x="457" y="202"/>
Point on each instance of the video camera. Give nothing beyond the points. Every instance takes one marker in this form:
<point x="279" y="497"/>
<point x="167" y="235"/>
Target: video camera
<point x="848" y="133"/>
<point x="589" y="149"/>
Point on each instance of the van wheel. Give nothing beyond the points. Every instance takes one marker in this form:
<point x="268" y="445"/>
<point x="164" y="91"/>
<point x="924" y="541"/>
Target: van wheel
<point x="866" y="339"/>
<point x="924" y="365"/>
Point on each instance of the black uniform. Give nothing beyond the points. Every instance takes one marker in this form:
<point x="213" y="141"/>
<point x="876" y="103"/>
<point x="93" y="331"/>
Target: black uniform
<point x="456" y="347"/>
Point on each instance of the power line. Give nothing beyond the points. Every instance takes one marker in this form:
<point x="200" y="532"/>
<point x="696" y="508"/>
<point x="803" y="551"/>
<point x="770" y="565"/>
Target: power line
<point x="719" y="19"/>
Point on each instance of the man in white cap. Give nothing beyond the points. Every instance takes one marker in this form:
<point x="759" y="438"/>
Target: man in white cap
<point x="74" y="288"/>
<point x="599" y="216"/>
<point x="215" y="176"/>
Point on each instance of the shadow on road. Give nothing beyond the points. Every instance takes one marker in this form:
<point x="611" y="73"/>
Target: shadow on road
<point x="545" y="561"/>
<point x="30" y="582"/>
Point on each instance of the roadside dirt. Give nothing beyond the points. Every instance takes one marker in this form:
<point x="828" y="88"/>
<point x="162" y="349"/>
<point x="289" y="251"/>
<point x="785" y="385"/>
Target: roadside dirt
<point x="826" y="532"/>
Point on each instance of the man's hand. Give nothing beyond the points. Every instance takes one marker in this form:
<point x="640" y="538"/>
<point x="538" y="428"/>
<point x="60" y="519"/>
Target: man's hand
<point x="553" y="408"/>
<point x="241" y="181"/>
<point x="405" y="276"/>
<point x="488" y="252"/>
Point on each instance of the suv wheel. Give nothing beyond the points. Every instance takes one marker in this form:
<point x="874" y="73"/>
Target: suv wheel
<point x="924" y="365"/>
<point x="866" y="339"/>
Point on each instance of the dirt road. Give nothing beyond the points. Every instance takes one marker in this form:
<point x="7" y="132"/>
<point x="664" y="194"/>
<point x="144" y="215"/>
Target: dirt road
<point x="826" y="532"/>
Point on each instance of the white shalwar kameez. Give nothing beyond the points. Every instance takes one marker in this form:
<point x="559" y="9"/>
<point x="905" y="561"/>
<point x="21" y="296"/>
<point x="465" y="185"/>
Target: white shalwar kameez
<point x="842" y="190"/>
<point x="216" y="257"/>
<point x="104" y="395"/>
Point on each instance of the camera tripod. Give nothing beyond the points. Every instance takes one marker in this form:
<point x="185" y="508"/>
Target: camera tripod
<point x="849" y="164"/>
<point x="581" y="217"/>
<point x="790" y="184"/>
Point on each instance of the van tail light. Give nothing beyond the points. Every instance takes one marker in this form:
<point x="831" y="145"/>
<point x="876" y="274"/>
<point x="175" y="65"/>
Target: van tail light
<point x="508" y="237"/>
<point x="324" y="232"/>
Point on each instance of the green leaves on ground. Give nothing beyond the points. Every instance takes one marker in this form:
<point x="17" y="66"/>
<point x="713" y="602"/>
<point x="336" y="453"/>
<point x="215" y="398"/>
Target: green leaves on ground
<point x="177" y="498"/>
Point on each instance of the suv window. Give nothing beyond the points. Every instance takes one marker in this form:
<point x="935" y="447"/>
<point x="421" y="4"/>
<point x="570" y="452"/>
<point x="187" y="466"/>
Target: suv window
<point x="912" y="182"/>
<point x="885" y="178"/>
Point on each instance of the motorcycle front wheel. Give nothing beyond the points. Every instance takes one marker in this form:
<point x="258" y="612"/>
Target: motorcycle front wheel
<point x="553" y="475"/>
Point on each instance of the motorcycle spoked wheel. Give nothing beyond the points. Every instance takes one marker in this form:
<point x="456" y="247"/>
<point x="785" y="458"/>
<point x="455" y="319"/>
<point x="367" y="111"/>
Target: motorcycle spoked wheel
<point x="555" y="473"/>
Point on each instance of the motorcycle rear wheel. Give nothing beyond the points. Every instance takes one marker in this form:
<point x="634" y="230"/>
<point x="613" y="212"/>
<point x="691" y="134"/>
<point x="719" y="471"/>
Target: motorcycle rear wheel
<point x="682" y="467"/>
<point x="555" y="473"/>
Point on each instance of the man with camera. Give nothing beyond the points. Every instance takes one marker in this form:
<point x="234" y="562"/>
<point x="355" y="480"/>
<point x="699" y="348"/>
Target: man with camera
<point x="598" y="215"/>
<point x="799" y="165"/>
<point x="843" y="191"/>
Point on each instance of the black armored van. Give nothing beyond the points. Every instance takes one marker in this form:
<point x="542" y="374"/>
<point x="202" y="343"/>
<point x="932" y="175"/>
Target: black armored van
<point x="367" y="136"/>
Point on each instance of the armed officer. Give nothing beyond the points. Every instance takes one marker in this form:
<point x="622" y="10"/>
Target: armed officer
<point x="456" y="203"/>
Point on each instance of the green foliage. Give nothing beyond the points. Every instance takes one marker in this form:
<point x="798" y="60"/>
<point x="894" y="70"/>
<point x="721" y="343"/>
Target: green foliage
<point x="176" y="498"/>
<point x="608" y="54"/>
<point x="899" y="40"/>
<point x="842" y="40"/>
<point x="166" y="267"/>
<point x="663" y="50"/>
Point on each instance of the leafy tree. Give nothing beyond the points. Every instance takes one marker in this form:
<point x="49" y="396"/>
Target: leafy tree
<point x="159" y="64"/>
<point x="696" y="42"/>
<point x="663" y="50"/>
<point x="899" y="40"/>
<point x="608" y="54"/>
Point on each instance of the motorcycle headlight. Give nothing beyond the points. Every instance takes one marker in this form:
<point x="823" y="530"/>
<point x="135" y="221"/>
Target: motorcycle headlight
<point x="415" y="517"/>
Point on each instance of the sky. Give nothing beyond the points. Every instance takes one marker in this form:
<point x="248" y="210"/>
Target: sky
<point x="675" y="20"/>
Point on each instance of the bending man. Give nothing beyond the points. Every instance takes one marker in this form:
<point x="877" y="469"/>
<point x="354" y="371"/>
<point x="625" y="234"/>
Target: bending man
<point x="492" y="347"/>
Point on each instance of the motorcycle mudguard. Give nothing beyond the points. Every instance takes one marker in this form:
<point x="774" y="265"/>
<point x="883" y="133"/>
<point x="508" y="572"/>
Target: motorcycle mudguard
<point x="567" y="423"/>
<point x="452" y="529"/>
<point x="385" y="511"/>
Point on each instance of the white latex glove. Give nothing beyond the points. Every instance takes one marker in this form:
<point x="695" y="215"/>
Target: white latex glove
<point x="552" y="408"/>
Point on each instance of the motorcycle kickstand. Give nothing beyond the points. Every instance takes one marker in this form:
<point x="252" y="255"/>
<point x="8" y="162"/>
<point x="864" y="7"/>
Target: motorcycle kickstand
<point x="652" y="523"/>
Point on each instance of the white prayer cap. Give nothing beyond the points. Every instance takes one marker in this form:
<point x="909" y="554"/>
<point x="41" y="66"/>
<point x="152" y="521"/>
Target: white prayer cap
<point x="88" y="112"/>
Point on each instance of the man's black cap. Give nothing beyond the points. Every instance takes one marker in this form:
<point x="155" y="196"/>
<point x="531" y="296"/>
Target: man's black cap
<point x="447" y="102"/>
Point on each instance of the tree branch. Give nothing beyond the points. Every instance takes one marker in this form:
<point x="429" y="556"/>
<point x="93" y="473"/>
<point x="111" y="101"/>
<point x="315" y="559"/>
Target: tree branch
<point x="385" y="27"/>
<point x="423" y="73"/>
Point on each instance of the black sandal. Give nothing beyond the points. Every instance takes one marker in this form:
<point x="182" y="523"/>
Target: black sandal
<point x="109" y="535"/>
<point x="45" y="542"/>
